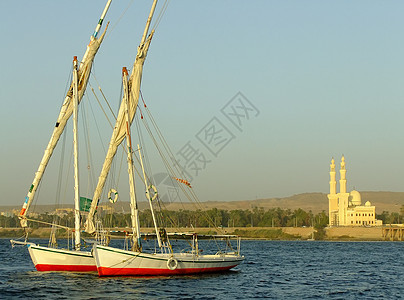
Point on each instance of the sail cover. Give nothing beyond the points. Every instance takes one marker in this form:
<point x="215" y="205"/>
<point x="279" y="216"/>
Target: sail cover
<point x="119" y="131"/>
<point x="64" y="115"/>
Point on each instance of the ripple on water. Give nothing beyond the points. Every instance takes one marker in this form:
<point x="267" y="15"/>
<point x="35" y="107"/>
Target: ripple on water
<point x="272" y="269"/>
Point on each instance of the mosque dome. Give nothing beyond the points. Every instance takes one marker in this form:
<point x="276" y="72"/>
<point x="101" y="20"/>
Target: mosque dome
<point x="355" y="198"/>
<point x="368" y="203"/>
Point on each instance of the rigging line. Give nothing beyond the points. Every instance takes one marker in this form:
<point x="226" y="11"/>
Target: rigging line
<point x="168" y="217"/>
<point x="148" y="169"/>
<point x="147" y="164"/>
<point x="166" y="163"/>
<point x="105" y="114"/>
<point x="198" y="204"/>
<point x="162" y="139"/>
<point x="152" y="136"/>
<point x="125" y="260"/>
<point x="160" y="15"/>
<point x="86" y="129"/>
<point x="135" y="167"/>
<point x="119" y="19"/>
<point x="102" y="93"/>
<point x="164" y="142"/>
<point x="60" y="175"/>
<point x="137" y="158"/>
<point x="106" y="101"/>
<point x="156" y="144"/>
<point x="61" y="167"/>
<point x="196" y="200"/>
<point x="36" y="197"/>
<point x="96" y="125"/>
<point x="167" y="149"/>
<point x="112" y="180"/>
<point x="70" y="164"/>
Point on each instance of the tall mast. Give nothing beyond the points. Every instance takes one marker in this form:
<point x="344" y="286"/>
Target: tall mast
<point x="96" y="30"/>
<point x="119" y="131"/>
<point x="104" y="13"/>
<point x="137" y="246"/>
<point x="148" y="22"/>
<point x="65" y="112"/>
<point x="76" y="158"/>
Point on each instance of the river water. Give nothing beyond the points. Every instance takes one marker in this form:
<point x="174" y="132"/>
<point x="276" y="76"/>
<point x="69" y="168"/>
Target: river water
<point x="272" y="269"/>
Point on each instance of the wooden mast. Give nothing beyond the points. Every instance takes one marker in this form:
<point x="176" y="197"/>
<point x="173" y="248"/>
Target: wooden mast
<point x="76" y="157"/>
<point x="137" y="246"/>
<point x="64" y="114"/>
<point x="119" y="131"/>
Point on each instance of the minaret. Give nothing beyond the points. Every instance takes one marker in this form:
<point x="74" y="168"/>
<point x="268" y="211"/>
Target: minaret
<point x="343" y="195"/>
<point x="333" y="197"/>
<point x="342" y="181"/>
<point x="333" y="182"/>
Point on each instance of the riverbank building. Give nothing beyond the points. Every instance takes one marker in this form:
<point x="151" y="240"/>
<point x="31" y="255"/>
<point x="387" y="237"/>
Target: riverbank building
<point x="345" y="208"/>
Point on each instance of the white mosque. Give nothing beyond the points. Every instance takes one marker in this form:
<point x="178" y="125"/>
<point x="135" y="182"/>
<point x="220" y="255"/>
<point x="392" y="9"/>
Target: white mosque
<point x="346" y="209"/>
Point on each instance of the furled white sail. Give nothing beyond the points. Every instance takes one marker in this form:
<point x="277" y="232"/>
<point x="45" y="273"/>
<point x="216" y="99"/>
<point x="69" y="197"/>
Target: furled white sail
<point x="119" y="131"/>
<point x="64" y="115"/>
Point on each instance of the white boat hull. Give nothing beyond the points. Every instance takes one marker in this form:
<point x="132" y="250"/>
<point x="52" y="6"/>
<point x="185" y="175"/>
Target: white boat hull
<point x="51" y="259"/>
<point x="116" y="262"/>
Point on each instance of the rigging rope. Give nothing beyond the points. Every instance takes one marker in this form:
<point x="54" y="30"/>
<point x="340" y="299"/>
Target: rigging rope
<point x="119" y="19"/>
<point x="160" y="15"/>
<point x="188" y="192"/>
<point x="96" y="124"/>
<point x="61" y="167"/>
<point x="90" y="163"/>
<point x="105" y="114"/>
<point x="102" y="93"/>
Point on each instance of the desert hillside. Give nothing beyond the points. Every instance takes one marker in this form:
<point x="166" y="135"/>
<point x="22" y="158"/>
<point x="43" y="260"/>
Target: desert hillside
<point x="316" y="202"/>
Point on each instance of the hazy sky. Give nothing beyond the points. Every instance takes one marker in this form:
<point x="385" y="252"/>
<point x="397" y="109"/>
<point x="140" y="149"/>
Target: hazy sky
<point x="318" y="79"/>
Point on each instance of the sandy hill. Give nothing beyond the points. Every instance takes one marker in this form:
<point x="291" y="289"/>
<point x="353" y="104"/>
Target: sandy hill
<point x="316" y="202"/>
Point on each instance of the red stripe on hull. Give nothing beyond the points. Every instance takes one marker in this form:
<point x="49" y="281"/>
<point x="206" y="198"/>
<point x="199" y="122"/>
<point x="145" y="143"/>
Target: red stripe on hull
<point x="102" y="271"/>
<point x="68" y="268"/>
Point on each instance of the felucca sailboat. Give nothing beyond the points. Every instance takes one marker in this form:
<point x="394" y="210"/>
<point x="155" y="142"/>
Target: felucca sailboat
<point x="52" y="258"/>
<point x="163" y="260"/>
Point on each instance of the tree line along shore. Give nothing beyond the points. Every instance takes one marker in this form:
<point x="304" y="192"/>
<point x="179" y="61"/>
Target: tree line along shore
<point x="257" y="223"/>
<point x="254" y="233"/>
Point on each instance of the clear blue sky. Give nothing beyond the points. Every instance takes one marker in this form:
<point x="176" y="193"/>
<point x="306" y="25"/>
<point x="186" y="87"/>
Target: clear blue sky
<point x="325" y="76"/>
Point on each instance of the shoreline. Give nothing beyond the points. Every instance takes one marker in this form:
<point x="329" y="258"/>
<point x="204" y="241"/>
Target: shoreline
<point x="384" y="233"/>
